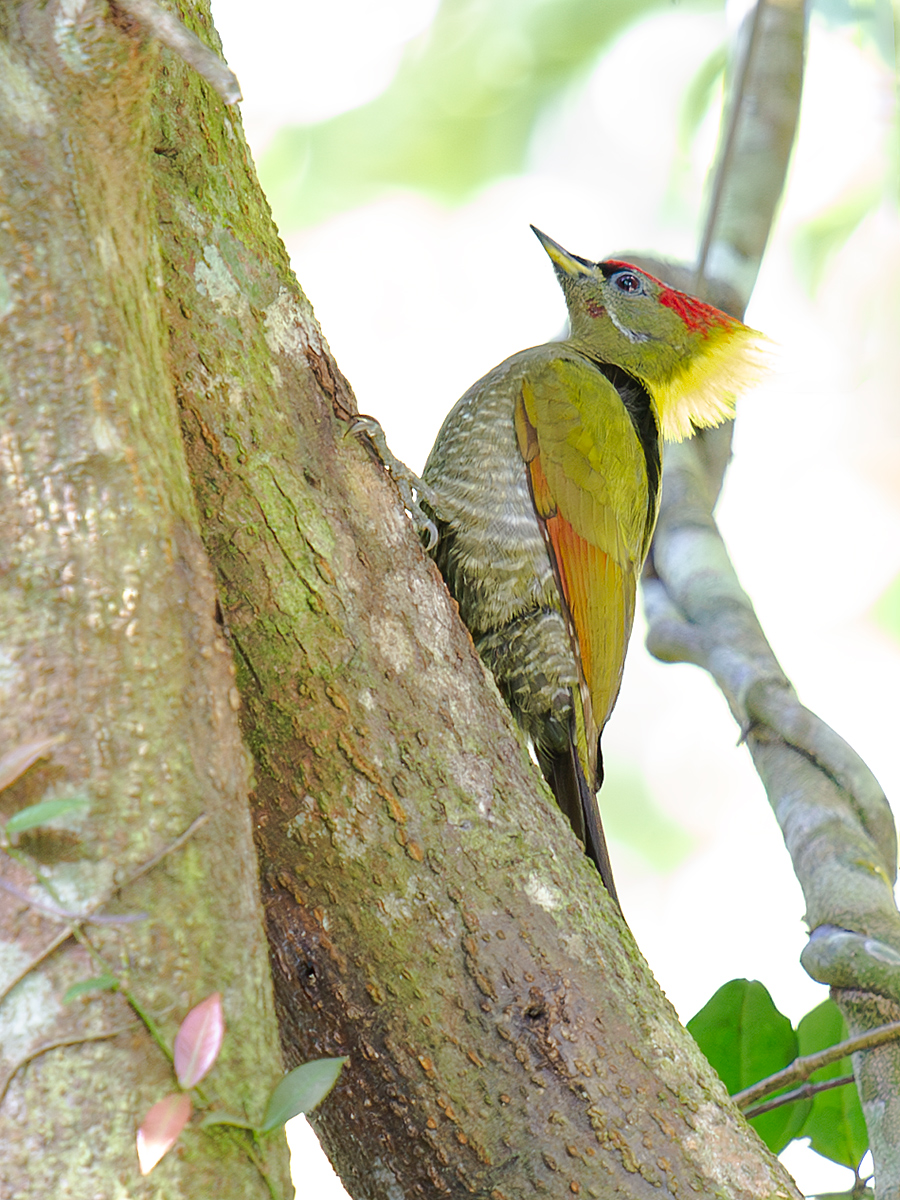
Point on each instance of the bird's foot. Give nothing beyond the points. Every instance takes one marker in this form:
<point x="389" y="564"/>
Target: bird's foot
<point x="412" y="489"/>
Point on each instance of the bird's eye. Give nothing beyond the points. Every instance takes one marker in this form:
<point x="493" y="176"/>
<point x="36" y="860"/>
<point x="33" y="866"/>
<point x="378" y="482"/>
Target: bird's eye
<point x="627" y="281"/>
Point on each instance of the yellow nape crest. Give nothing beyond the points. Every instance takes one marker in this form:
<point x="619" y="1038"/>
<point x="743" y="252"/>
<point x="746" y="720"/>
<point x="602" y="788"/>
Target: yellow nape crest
<point x="701" y="391"/>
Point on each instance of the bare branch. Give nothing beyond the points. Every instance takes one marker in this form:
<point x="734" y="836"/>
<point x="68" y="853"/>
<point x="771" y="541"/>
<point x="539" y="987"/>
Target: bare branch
<point x="53" y="910"/>
<point x="728" y="143"/>
<point x="57" y="1044"/>
<point x="805" y="1092"/>
<point x="170" y="31"/>
<point x="834" y="816"/>
<point x="802" y="1068"/>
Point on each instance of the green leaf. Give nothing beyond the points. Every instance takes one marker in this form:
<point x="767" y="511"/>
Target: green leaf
<point x="835" y="1126"/>
<point x="100" y="983"/>
<point x="872" y="20"/>
<point x="459" y="113"/>
<point x="887" y="609"/>
<point x="301" y="1090"/>
<point x="40" y="814"/>
<point x="746" y="1039"/>
<point x="700" y="94"/>
<point x="819" y="240"/>
<point x="865" y="1194"/>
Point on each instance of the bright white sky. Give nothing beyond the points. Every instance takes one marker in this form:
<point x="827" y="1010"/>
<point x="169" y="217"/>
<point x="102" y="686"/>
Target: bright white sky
<point x="811" y="510"/>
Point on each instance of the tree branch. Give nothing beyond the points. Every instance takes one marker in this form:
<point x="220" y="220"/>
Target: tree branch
<point x="430" y="914"/>
<point x="835" y="818"/>
<point x="728" y="142"/>
<point x="802" y="1068"/>
<point x="805" y="1092"/>
<point x="56" y="1044"/>
<point x="167" y="29"/>
<point x="53" y="910"/>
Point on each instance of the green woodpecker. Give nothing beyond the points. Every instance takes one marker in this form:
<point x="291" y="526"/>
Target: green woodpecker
<point x="544" y="484"/>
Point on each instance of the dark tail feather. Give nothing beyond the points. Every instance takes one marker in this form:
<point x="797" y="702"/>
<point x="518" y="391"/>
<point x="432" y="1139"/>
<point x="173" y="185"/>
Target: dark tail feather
<point x="573" y="795"/>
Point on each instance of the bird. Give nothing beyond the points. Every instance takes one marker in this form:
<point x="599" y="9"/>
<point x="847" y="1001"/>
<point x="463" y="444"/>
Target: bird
<point x="543" y="486"/>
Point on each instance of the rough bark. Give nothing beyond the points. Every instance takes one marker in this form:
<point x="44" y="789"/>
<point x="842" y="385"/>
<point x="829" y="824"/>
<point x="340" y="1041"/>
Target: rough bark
<point x="108" y="642"/>
<point x="430" y="914"/>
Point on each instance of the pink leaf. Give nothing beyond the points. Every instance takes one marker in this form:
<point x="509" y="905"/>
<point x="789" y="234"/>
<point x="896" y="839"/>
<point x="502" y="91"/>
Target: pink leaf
<point x="17" y="761"/>
<point x="199" y="1040"/>
<point x="160" y="1129"/>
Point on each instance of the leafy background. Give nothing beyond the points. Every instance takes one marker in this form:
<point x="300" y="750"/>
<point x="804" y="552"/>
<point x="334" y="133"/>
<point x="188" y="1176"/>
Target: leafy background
<point x="406" y="146"/>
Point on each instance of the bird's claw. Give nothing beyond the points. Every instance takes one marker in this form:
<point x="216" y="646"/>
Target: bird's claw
<point x="425" y="526"/>
<point x="412" y="489"/>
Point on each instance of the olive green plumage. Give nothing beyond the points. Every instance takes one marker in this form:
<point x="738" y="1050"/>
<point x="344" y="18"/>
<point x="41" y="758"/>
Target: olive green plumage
<point x="545" y="490"/>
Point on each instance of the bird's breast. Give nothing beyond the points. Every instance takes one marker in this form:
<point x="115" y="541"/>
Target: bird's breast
<point x="492" y="551"/>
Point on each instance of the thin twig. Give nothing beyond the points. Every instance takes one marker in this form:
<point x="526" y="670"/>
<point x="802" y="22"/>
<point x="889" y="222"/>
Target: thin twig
<point x="63" y="914"/>
<point x="170" y="31"/>
<point x="55" y="1045"/>
<point x="806" y="1091"/>
<point x="65" y="934"/>
<point x="151" y="862"/>
<point x="724" y="163"/>
<point x="802" y="1068"/>
<point x="252" y="1150"/>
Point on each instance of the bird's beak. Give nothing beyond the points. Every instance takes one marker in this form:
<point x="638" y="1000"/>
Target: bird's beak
<point x="566" y="264"/>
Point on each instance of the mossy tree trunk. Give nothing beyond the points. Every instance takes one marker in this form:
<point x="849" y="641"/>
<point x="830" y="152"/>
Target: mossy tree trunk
<point x="429" y="913"/>
<point x="109" y="644"/>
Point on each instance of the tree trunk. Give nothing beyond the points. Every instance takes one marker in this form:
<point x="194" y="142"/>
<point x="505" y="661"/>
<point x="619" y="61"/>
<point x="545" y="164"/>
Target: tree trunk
<point x="429" y="913"/>
<point x="109" y="644"/>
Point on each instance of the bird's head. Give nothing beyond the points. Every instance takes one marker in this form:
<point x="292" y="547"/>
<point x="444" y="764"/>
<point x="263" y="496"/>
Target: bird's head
<point x="693" y="358"/>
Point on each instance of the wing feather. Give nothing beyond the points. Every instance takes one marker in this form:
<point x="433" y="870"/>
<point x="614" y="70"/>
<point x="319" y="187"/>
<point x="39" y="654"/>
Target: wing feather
<point x="589" y="483"/>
